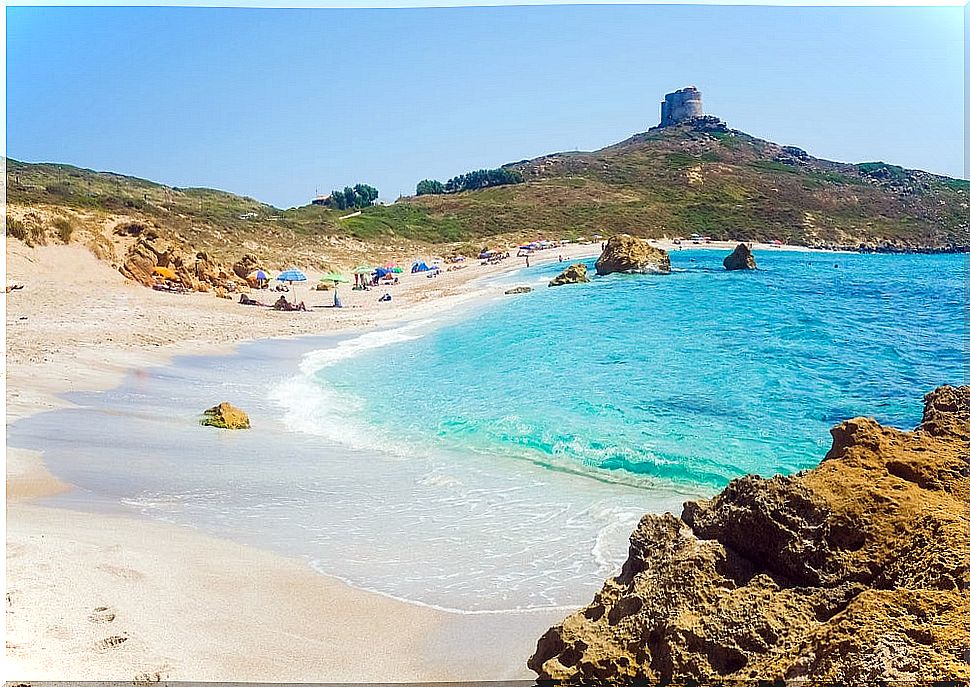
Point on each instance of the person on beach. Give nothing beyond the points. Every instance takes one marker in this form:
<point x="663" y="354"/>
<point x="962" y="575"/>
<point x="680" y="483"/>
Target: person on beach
<point x="526" y="260"/>
<point x="284" y="305"/>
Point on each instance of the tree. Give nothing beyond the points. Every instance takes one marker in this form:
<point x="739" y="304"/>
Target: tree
<point x="365" y="195"/>
<point x="483" y="178"/>
<point x="360" y="196"/>
<point x="430" y="187"/>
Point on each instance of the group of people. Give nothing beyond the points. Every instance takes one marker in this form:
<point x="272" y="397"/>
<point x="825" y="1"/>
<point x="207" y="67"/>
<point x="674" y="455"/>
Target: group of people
<point x="281" y="303"/>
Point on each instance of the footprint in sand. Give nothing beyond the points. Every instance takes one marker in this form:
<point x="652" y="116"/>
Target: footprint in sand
<point x="110" y="642"/>
<point x="149" y="677"/>
<point x="101" y="614"/>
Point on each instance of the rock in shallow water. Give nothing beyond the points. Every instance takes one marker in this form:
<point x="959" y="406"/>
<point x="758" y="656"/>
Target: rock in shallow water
<point x="625" y="253"/>
<point x="574" y="274"/>
<point x="857" y="571"/>
<point x="225" y="416"/>
<point x="517" y="290"/>
<point x="741" y="259"/>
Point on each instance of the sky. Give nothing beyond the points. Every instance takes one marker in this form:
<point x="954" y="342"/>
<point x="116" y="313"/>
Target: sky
<point x="282" y="104"/>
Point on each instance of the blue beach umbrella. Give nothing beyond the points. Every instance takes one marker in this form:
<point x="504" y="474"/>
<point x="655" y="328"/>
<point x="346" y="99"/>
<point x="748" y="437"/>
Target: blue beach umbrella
<point x="291" y="275"/>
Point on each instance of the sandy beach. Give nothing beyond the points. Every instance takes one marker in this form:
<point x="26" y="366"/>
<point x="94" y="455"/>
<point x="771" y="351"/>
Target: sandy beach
<point x="93" y="596"/>
<point x="183" y="605"/>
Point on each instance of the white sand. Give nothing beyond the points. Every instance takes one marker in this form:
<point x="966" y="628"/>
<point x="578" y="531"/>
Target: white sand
<point x="188" y="606"/>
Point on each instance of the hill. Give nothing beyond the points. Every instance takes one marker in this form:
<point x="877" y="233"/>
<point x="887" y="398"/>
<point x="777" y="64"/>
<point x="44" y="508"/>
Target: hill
<point x="697" y="177"/>
<point x="702" y="177"/>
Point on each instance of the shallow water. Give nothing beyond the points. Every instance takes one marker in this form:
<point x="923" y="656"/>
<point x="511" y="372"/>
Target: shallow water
<point x="500" y="461"/>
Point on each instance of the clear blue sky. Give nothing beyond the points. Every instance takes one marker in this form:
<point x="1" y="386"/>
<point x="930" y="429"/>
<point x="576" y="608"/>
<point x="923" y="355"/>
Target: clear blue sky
<point x="276" y="103"/>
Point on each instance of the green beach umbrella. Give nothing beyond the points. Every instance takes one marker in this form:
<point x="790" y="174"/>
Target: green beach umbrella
<point x="363" y="269"/>
<point x="334" y="277"/>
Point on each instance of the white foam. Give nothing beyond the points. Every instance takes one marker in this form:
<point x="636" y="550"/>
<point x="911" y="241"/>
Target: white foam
<point x="315" y="361"/>
<point x="310" y="407"/>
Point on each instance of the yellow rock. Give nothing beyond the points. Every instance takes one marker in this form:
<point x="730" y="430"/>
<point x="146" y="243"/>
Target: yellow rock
<point x="225" y="416"/>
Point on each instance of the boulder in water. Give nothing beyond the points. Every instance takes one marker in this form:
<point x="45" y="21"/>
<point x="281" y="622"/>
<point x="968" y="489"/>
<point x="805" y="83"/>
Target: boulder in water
<point x="574" y="274"/>
<point x="225" y="416"/>
<point x="740" y="259"/>
<point x="625" y="253"/>
<point x="518" y="289"/>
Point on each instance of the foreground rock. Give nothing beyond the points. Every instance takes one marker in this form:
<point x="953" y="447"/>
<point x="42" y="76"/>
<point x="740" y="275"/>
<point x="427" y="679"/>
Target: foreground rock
<point x="856" y="571"/>
<point x="519" y="289"/>
<point x="225" y="416"/>
<point x="741" y="259"/>
<point x="574" y="274"/>
<point x="625" y="253"/>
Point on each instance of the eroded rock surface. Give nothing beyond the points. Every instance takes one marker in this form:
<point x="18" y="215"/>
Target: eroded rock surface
<point x="225" y="416"/>
<point x="574" y="274"/>
<point x="857" y="570"/>
<point x="625" y="253"/>
<point x="740" y="259"/>
<point x="198" y="273"/>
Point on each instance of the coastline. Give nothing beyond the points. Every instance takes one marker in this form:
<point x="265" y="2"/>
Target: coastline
<point x="155" y="577"/>
<point x="62" y="564"/>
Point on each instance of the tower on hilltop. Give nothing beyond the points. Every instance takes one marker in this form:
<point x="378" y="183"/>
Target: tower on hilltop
<point x="680" y="106"/>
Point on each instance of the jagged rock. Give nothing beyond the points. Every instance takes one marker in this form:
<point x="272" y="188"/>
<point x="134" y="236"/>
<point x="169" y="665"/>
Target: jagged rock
<point x="143" y="257"/>
<point x="519" y="289"/>
<point x="740" y="259"/>
<point x="574" y="274"/>
<point x="245" y="266"/>
<point x="855" y="571"/>
<point x="625" y="253"/>
<point x="199" y="274"/>
<point x="225" y="416"/>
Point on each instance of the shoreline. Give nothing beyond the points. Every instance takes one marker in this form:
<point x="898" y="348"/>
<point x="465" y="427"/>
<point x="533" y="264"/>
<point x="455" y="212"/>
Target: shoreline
<point x="47" y="545"/>
<point x="34" y="388"/>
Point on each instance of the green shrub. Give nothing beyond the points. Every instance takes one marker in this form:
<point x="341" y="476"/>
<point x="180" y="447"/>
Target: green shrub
<point x="680" y="160"/>
<point x="59" y="188"/>
<point x="64" y="229"/>
<point x="17" y="229"/>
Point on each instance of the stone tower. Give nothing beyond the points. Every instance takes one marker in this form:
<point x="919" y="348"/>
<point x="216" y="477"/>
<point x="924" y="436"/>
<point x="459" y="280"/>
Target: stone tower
<point x="680" y="106"/>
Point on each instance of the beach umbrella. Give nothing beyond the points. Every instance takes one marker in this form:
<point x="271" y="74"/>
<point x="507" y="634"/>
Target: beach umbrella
<point x="397" y="270"/>
<point x="363" y="269"/>
<point x="259" y="274"/>
<point x="336" y="278"/>
<point x="165" y="272"/>
<point x="291" y="275"/>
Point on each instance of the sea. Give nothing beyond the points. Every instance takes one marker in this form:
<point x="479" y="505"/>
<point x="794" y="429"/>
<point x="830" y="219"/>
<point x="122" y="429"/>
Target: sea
<point x="495" y="457"/>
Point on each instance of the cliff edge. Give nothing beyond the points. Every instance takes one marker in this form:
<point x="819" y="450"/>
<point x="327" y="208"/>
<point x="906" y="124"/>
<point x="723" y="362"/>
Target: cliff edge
<point x="857" y="570"/>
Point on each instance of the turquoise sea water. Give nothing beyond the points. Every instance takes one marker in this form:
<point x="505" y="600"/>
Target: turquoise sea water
<point x="695" y="377"/>
<point x="498" y="459"/>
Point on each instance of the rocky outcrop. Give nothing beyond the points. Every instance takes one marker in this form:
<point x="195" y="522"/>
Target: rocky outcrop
<point x="515" y="290"/>
<point x="855" y="571"/>
<point x="225" y="416"/>
<point x="245" y="266"/>
<point x="200" y="273"/>
<point x="625" y="253"/>
<point x="574" y="274"/>
<point x="741" y="259"/>
<point x="143" y="257"/>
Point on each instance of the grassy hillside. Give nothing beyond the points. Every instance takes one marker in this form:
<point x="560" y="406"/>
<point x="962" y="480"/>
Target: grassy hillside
<point x="707" y="179"/>
<point x="700" y="177"/>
